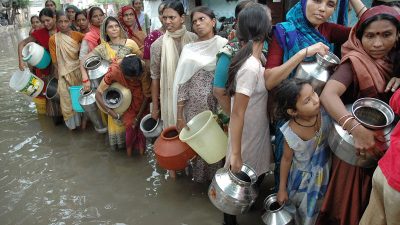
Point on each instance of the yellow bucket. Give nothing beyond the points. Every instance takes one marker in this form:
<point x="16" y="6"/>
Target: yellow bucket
<point x="205" y="137"/>
<point x="40" y="105"/>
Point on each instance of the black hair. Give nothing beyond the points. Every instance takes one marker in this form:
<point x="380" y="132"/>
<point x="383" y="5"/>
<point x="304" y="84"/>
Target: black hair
<point x="47" y="12"/>
<point x="34" y="16"/>
<point x="107" y="21"/>
<point x="51" y="2"/>
<point x="59" y="14"/>
<point x="131" y="66"/>
<point x="286" y="95"/>
<point x="175" y="5"/>
<point x="81" y="12"/>
<point x="241" y="5"/>
<point x="92" y="10"/>
<point x="254" y="25"/>
<point x="367" y="22"/>
<point x="161" y="8"/>
<point x="390" y="4"/>
<point x="205" y="10"/>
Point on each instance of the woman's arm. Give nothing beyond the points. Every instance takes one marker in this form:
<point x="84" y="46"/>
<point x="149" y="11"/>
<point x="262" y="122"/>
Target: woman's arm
<point x="99" y="99"/>
<point x="155" y="93"/>
<point x="236" y="126"/>
<point x="83" y="55"/>
<point x="220" y="78"/>
<point x="358" y="6"/>
<point x="180" y="119"/>
<point x="141" y="110"/>
<point x="274" y="76"/>
<point x="330" y="97"/>
<point x="21" y="45"/>
<point x="286" y="162"/>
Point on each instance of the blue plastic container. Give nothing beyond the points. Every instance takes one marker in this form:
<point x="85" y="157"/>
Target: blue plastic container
<point x="45" y="61"/>
<point x="75" y="92"/>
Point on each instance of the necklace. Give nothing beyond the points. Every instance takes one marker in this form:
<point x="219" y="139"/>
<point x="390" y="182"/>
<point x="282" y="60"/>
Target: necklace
<point x="316" y="120"/>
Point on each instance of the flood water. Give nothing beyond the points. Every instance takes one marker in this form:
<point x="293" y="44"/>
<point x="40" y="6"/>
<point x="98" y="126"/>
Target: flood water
<point x="50" y="175"/>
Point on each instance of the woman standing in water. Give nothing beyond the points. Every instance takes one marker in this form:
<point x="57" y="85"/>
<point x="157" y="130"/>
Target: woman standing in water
<point x="193" y="81"/>
<point x="114" y="46"/>
<point x="42" y="36"/>
<point x="165" y="53"/>
<point x="64" y="50"/>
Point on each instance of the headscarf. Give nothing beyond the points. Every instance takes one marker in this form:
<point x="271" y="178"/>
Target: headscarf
<point x="371" y="74"/>
<point x="128" y="29"/>
<point x="103" y="37"/>
<point x="297" y="33"/>
<point x="93" y="36"/>
<point x="72" y="7"/>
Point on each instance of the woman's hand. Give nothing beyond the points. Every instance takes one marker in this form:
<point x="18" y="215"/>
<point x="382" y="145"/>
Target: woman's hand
<point x="236" y="163"/>
<point x="21" y="64"/>
<point x="86" y="85"/>
<point x="319" y="47"/>
<point x="282" y="196"/>
<point x="155" y="114"/>
<point x="393" y="84"/>
<point x="364" y="140"/>
<point x="180" y="124"/>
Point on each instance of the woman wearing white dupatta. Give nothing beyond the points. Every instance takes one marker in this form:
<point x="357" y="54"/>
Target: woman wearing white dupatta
<point x="165" y="53"/>
<point x="193" y="89"/>
<point x="64" y="50"/>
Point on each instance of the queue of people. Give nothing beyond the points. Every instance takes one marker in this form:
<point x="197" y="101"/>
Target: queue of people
<point x="250" y="78"/>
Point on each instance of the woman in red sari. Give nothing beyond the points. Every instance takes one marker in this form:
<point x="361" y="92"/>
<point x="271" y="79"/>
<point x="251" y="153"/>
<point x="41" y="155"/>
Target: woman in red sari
<point x="130" y="22"/>
<point x="365" y="71"/>
<point x="127" y="72"/>
<point x="41" y="36"/>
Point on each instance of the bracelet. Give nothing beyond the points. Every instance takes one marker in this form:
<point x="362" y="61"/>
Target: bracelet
<point x="178" y="119"/>
<point x="343" y="117"/>
<point x="360" y="11"/>
<point x="84" y="81"/>
<point x="180" y="105"/>
<point x="136" y="119"/>
<point x="118" y="116"/>
<point x="354" y="127"/>
<point x="108" y="111"/>
<point x="346" y="121"/>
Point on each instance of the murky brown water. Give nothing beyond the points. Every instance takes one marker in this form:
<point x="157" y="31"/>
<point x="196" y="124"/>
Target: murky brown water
<point x="50" y="175"/>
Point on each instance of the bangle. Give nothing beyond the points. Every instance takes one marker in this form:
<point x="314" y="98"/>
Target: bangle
<point x="84" y="81"/>
<point x="108" y="111"/>
<point x="118" y="117"/>
<point x="360" y="11"/>
<point x="340" y="119"/>
<point x="180" y="105"/>
<point x="178" y="119"/>
<point x="136" y="120"/>
<point x="346" y="121"/>
<point x="354" y="127"/>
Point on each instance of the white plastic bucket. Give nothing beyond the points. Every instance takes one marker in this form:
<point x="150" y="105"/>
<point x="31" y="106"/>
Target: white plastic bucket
<point x="36" y="55"/>
<point x="205" y="137"/>
<point x="26" y="83"/>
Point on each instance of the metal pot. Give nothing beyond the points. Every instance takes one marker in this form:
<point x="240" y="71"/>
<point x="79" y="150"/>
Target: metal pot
<point x="117" y="97"/>
<point x="88" y="102"/>
<point x="318" y="71"/>
<point x="342" y="143"/>
<point x="96" y="68"/>
<point x="150" y="127"/>
<point x="233" y="193"/>
<point x="51" y="90"/>
<point x="275" y="213"/>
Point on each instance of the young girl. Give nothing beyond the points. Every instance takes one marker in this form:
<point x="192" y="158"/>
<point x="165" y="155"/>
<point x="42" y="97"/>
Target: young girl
<point x="304" y="171"/>
<point x="64" y="50"/>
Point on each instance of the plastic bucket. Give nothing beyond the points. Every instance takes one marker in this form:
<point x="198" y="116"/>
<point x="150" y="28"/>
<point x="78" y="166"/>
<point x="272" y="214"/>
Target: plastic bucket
<point x="40" y="105"/>
<point x="75" y="92"/>
<point x="205" y="137"/>
<point x="35" y="55"/>
<point x="26" y="83"/>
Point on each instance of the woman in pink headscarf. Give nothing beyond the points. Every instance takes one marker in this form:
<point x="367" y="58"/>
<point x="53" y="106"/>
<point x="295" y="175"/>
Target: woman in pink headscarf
<point x="130" y="22"/>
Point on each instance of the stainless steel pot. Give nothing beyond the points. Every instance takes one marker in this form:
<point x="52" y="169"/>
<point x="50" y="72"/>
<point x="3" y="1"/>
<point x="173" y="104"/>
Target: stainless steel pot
<point x="96" y="68"/>
<point x="117" y="97"/>
<point x="372" y="113"/>
<point x="150" y="127"/>
<point x="275" y="214"/>
<point x="233" y="193"/>
<point x="51" y="90"/>
<point x="318" y="71"/>
<point x="342" y="144"/>
<point x="88" y="102"/>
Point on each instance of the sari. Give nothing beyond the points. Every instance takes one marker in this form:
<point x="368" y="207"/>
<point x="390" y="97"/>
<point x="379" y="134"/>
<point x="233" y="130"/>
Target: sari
<point x="92" y="37"/>
<point x="136" y="33"/>
<point x="65" y="54"/>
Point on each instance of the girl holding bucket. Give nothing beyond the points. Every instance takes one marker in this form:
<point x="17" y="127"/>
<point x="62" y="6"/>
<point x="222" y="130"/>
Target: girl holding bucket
<point x="64" y="50"/>
<point x="41" y="37"/>
<point x="249" y="139"/>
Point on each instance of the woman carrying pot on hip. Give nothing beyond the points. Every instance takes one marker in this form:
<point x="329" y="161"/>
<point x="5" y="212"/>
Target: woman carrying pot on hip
<point x="249" y="139"/>
<point x="193" y="80"/>
<point x="114" y="46"/>
<point x="365" y="71"/>
<point x="305" y="34"/>
<point x="165" y="53"/>
<point x="42" y="36"/>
